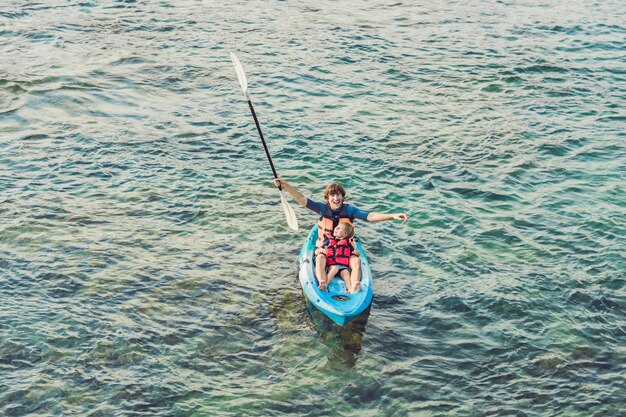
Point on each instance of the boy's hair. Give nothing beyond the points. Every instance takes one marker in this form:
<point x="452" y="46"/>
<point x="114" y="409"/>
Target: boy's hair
<point x="334" y="188"/>
<point x="349" y="230"/>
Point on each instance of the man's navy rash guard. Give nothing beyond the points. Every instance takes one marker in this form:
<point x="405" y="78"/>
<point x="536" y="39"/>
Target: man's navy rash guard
<point x="353" y="212"/>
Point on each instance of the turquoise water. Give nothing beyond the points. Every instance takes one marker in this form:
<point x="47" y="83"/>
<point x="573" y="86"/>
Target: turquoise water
<point x="145" y="264"/>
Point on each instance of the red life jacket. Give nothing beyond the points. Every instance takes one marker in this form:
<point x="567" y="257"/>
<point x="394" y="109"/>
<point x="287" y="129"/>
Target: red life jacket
<point x="338" y="252"/>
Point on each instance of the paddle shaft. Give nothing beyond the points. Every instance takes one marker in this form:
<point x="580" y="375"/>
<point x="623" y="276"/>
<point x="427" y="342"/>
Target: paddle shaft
<point x="258" y="128"/>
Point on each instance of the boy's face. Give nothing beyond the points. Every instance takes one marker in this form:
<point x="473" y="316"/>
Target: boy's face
<point x="340" y="231"/>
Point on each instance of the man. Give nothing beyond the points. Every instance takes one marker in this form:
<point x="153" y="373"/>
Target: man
<point x="333" y="212"/>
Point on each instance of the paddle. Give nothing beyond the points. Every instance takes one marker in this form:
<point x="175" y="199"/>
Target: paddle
<point x="291" y="216"/>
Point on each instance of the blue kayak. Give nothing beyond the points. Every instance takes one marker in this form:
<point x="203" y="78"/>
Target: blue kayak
<point x="339" y="306"/>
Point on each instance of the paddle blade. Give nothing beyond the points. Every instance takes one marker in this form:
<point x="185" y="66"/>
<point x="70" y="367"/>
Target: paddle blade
<point x="292" y="222"/>
<point x="240" y="74"/>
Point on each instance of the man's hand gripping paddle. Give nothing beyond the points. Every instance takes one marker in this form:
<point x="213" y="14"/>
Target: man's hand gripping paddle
<point x="241" y="75"/>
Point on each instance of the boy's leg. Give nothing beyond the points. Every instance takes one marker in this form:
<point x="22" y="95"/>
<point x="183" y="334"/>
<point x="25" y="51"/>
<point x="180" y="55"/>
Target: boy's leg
<point x="345" y="275"/>
<point x="332" y="271"/>
<point x="320" y="271"/>
<point x="355" y="275"/>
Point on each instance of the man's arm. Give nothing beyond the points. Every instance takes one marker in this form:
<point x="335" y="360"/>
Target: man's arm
<point x="297" y="195"/>
<point x="381" y="217"/>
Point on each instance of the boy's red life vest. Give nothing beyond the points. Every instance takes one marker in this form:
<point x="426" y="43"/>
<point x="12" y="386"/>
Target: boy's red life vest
<point x="338" y="252"/>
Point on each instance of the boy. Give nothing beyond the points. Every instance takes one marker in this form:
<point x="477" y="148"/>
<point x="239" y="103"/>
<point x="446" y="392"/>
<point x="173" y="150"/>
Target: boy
<point x="338" y="250"/>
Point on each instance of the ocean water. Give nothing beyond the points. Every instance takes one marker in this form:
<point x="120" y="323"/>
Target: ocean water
<point x="146" y="268"/>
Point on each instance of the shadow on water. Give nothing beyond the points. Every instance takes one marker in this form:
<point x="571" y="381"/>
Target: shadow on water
<point x="344" y="341"/>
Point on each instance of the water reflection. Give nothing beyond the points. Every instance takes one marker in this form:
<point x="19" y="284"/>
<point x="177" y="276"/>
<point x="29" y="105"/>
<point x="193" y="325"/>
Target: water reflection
<point x="345" y="341"/>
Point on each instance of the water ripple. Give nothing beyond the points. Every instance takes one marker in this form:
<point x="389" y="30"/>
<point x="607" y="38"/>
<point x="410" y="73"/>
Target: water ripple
<point x="146" y="268"/>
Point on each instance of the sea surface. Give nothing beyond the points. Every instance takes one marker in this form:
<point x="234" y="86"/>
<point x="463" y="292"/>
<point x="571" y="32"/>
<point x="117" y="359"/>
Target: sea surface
<point x="146" y="267"/>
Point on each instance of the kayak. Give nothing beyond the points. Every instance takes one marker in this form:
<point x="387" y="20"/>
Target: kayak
<point x="336" y="304"/>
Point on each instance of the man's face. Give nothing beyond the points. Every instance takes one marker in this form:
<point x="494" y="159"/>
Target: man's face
<point x="335" y="200"/>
